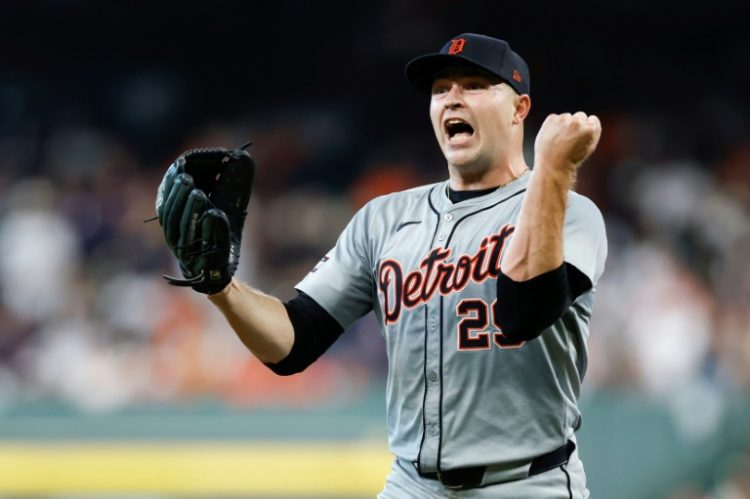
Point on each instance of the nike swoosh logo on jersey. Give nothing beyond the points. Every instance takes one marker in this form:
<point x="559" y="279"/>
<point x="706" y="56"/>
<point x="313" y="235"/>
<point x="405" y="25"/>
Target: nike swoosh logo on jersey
<point x="404" y="224"/>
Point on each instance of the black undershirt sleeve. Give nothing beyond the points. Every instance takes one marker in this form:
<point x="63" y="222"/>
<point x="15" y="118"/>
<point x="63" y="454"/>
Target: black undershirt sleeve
<point x="315" y="330"/>
<point x="527" y="308"/>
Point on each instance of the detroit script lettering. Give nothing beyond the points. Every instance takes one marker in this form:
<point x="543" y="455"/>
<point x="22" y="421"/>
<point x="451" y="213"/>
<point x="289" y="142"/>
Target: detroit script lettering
<point x="436" y="275"/>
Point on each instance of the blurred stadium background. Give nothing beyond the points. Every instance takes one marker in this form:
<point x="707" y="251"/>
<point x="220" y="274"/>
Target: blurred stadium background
<point x="113" y="384"/>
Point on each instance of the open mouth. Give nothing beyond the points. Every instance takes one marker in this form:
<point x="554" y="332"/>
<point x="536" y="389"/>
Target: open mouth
<point x="456" y="127"/>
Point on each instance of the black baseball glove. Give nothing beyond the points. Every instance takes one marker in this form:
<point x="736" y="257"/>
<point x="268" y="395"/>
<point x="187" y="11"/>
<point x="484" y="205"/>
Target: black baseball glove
<point x="201" y="205"/>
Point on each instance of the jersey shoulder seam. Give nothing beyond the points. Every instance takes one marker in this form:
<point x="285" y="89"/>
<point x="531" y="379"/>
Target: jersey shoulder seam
<point x="398" y="195"/>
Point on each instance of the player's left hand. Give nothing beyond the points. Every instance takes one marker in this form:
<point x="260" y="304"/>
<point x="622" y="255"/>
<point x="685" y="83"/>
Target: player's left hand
<point x="201" y="205"/>
<point x="565" y="140"/>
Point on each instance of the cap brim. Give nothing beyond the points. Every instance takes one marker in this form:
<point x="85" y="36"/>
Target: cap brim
<point x="421" y="71"/>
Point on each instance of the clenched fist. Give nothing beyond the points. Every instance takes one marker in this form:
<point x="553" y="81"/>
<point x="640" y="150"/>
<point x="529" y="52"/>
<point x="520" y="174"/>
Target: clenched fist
<point x="566" y="140"/>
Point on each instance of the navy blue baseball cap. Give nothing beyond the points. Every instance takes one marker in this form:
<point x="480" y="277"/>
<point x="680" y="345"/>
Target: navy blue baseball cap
<point x="478" y="51"/>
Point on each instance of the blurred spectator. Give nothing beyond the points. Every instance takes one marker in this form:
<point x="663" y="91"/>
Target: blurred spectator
<point x="40" y="252"/>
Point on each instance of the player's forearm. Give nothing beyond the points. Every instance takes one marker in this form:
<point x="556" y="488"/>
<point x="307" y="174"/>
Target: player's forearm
<point x="537" y="243"/>
<point x="260" y="321"/>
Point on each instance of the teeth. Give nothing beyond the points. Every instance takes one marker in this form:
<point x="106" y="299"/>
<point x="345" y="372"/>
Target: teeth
<point x="455" y="126"/>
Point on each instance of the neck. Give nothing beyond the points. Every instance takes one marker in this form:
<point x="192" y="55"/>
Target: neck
<point x="464" y="179"/>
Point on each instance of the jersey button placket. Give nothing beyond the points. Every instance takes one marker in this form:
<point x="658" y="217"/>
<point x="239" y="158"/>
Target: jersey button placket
<point x="433" y="430"/>
<point x="431" y="443"/>
<point x="429" y="451"/>
<point x="445" y="227"/>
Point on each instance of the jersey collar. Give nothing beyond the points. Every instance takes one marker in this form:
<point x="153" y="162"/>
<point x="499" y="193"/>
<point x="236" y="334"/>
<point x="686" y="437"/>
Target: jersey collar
<point x="442" y="203"/>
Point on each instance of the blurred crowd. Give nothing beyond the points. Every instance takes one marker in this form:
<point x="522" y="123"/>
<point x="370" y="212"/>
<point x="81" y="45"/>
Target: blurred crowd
<point x="86" y="315"/>
<point x="673" y="309"/>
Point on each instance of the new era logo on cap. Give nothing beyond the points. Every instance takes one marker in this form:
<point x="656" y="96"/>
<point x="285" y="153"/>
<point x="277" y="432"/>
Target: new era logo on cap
<point x="478" y="51"/>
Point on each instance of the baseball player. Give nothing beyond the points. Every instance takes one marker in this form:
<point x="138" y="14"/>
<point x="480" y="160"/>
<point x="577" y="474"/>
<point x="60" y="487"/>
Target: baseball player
<point x="483" y="284"/>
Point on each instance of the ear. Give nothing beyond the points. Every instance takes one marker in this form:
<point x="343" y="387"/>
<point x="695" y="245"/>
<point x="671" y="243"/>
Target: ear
<point x="523" y="106"/>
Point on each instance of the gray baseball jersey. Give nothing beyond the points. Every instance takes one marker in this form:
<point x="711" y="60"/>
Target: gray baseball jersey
<point x="459" y="393"/>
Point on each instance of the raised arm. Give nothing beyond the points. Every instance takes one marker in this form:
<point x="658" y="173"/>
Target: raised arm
<point x="563" y="143"/>
<point x="536" y="286"/>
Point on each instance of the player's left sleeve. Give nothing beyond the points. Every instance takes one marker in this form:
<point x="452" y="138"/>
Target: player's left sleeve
<point x="526" y="309"/>
<point x="584" y="237"/>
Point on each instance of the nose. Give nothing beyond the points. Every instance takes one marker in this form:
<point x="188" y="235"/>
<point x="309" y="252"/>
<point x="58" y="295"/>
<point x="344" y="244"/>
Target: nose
<point x="453" y="98"/>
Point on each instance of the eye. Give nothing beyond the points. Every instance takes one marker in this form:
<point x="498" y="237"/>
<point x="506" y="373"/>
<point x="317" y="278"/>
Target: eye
<point x="475" y="85"/>
<point x="439" y="88"/>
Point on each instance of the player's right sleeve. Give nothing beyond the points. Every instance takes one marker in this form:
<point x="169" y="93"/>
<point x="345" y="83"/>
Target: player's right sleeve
<point x="342" y="281"/>
<point x="315" y="330"/>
